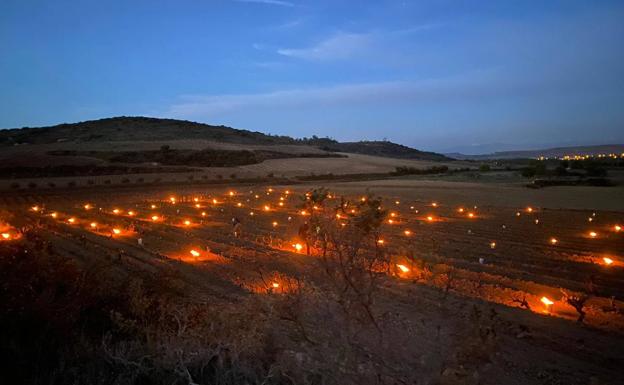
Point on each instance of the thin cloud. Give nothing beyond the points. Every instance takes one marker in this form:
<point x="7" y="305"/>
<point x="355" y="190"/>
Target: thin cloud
<point x="424" y="91"/>
<point x="339" y="46"/>
<point x="348" y="45"/>
<point x="269" y="2"/>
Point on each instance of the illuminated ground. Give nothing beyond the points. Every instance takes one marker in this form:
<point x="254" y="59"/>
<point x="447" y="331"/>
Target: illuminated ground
<point x="498" y="258"/>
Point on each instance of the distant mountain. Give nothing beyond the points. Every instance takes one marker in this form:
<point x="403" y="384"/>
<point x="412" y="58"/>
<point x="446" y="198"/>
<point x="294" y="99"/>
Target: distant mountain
<point x="555" y="152"/>
<point x="130" y="129"/>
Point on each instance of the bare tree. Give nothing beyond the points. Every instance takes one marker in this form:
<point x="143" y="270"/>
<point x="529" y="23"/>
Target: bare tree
<point x="577" y="301"/>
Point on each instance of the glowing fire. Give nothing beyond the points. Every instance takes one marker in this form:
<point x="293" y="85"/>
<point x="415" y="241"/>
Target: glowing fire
<point x="131" y="213"/>
<point x="275" y="285"/>
<point x="187" y="223"/>
<point x="54" y="215"/>
<point x="553" y="241"/>
<point x="430" y="218"/>
<point x="153" y="206"/>
<point x="231" y="193"/>
<point x="6" y="236"/>
<point x="116" y="231"/>
<point x="87" y="206"/>
<point x="617" y="228"/>
<point x="195" y="253"/>
<point x="593" y="234"/>
<point x="93" y="225"/>
<point x="155" y="218"/>
<point x="195" y="199"/>
<point x="390" y="221"/>
<point x="492" y="245"/>
<point x="607" y="261"/>
<point x="274" y="224"/>
<point x="403" y="268"/>
<point x="71" y="220"/>
<point x="471" y="215"/>
<point x="203" y="214"/>
<point x="529" y="209"/>
<point x="35" y="208"/>
<point x="547" y="302"/>
<point x="298" y="246"/>
<point x="116" y="211"/>
<point x="434" y="204"/>
<point x="267" y="208"/>
<point x="380" y="241"/>
<point x="172" y="199"/>
<point x="407" y="232"/>
<point x="460" y="210"/>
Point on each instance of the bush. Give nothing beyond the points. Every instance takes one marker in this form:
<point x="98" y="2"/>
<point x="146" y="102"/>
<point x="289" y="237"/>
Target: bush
<point x="90" y="182"/>
<point x="408" y="170"/>
<point x="32" y="185"/>
<point x="71" y="184"/>
<point x="484" y="168"/>
<point x="15" y="185"/>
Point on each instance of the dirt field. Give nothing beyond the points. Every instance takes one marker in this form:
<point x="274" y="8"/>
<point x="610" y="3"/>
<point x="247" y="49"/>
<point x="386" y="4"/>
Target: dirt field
<point x="460" y="302"/>
<point x="291" y="167"/>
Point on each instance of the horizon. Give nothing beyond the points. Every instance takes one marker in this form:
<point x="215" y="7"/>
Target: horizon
<point x="476" y="150"/>
<point x="468" y="78"/>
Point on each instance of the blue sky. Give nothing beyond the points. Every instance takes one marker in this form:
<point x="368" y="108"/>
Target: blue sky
<point x="438" y="75"/>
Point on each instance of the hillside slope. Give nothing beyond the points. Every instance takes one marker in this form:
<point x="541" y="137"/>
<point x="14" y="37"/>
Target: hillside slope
<point x="384" y="149"/>
<point x="144" y="129"/>
<point x="135" y="128"/>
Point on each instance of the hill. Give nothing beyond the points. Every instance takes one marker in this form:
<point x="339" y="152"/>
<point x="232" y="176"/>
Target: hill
<point x="384" y="149"/>
<point x="144" y="129"/>
<point x="555" y="152"/>
<point x="133" y="129"/>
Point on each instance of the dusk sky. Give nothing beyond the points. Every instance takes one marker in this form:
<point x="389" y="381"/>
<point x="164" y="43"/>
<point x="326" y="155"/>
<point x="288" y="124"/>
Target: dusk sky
<point x="471" y="76"/>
